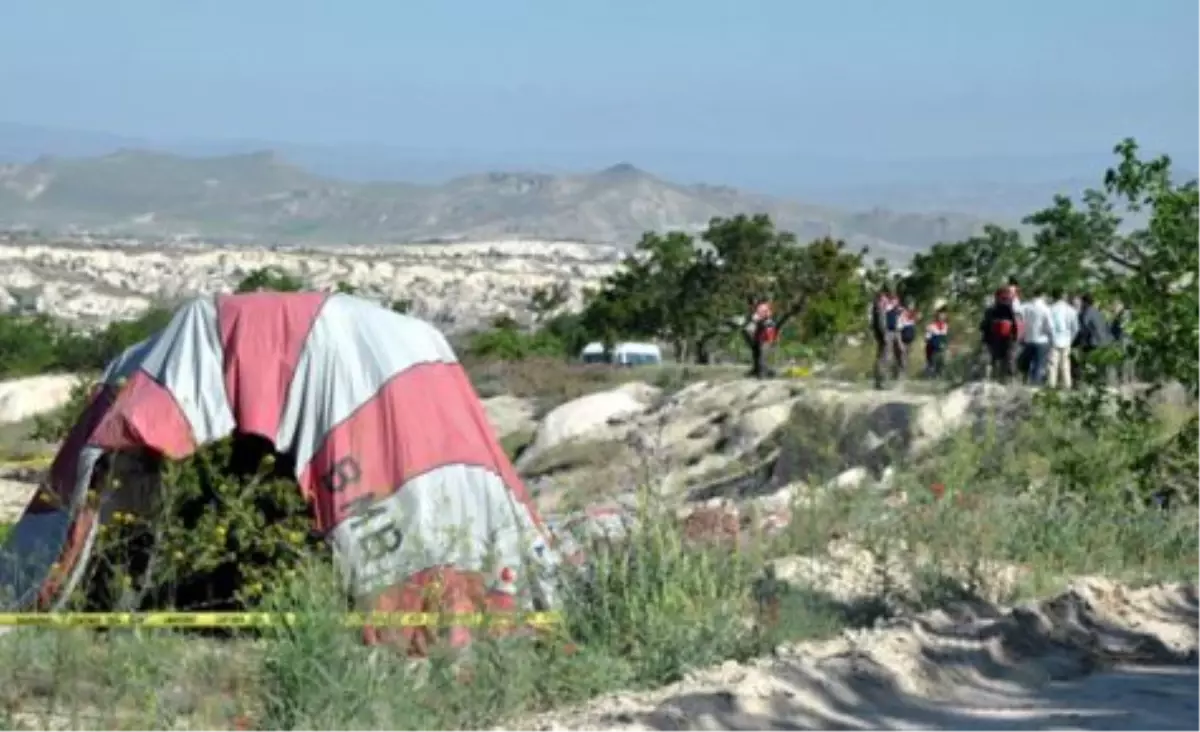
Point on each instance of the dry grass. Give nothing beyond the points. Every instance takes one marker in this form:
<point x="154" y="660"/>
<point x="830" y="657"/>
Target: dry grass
<point x="553" y="381"/>
<point x="658" y="605"/>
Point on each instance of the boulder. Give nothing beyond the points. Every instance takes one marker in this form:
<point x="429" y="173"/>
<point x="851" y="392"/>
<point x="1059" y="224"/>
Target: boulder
<point x="509" y="414"/>
<point x="596" y="416"/>
<point x="21" y="399"/>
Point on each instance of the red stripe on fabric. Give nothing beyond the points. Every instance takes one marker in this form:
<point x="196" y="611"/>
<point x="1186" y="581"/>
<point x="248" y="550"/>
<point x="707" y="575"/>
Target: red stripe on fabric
<point x="442" y="589"/>
<point x="72" y="548"/>
<point x="64" y="471"/>
<point x="425" y="417"/>
<point x="145" y="414"/>
<point x="262" y="335"/>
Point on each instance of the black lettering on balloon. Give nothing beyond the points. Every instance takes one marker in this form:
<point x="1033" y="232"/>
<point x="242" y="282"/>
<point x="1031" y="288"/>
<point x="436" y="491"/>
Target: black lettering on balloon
<point x="345" y="473"/>
<point x="381" y="542"/>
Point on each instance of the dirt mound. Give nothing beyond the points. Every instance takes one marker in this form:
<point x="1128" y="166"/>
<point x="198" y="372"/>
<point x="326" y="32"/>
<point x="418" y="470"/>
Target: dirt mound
<point x="1100" y="656"/>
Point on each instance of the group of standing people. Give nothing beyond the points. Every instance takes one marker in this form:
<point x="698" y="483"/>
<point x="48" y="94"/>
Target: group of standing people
<point x="1041" y="341"/>
<point x="894" y="325"/>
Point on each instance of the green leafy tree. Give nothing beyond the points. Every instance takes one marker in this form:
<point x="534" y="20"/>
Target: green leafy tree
<point x="545" y="301"/>
<point x="966" y="273"/>
<point x="1151" y="270"/>
<point x="695" y="295"/>
<point x="400" y="305"/>
<point x="837" y="299"/>
<point x="755" y="262"/>
<point x="272" y="279"/>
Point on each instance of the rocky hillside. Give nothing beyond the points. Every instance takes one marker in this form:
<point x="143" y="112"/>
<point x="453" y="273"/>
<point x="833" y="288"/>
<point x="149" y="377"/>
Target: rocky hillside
<point x="456" y="286"/>
<point x="260" y="195"/>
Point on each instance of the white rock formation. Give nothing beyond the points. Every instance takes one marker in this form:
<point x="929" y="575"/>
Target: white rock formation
<point x="587" y="416"/>
<point x="456" y="285"/>
<point x="21" y="399"/>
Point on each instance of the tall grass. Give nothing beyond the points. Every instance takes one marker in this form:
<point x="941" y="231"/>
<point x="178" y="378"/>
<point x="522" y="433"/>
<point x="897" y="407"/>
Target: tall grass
<point x="1011" y="522"/>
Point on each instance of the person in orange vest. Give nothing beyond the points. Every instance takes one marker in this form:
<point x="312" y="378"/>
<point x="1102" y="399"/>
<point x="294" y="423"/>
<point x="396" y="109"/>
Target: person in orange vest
<point x="763" y="333"/>
<point x="1001" y="334"/>
<point x="937" y="341"/>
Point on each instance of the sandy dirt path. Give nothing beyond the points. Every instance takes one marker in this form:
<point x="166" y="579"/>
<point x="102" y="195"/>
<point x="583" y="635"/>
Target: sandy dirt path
<point x="1100" y="656"/>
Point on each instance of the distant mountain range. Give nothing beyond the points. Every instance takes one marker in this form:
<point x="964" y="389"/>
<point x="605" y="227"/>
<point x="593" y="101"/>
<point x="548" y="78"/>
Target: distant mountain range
<point x="263" y="196"/>
<point x="55" y="178"/>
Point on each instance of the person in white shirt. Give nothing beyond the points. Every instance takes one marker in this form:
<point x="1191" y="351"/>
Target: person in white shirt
<point x="1064" y="325"/>
<point x="1036" y="314"/>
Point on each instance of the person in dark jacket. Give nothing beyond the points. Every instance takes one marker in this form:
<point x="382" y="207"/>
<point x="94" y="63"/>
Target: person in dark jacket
<point x="1094" y="334"/>
<point x="1120" y="335"/>
<point x="999" y="330"/>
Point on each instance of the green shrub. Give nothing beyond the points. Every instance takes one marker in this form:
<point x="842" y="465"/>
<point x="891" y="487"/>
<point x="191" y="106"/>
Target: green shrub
<point x="231" y="524"/>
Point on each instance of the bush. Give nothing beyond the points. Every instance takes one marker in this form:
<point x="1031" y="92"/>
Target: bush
<point x="230" y="525"/>
<point x="506" y="341"/>
<point x="37" y="344"/>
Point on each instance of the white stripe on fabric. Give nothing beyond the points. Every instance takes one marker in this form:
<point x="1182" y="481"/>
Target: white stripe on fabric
<point x="458" y="515"/>
<point x="187" y="359"/>
<point x="128" y="361"/>
<point x="354" y="348"/>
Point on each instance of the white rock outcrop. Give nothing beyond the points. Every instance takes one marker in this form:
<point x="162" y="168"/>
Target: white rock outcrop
<point x="21" y="399"/>
<point x="455" y="285"/>
<point x="589" y="417"/>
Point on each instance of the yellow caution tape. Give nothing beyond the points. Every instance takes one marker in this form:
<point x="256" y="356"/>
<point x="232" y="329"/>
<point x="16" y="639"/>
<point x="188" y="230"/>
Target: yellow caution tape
<point x="265" y="620"/>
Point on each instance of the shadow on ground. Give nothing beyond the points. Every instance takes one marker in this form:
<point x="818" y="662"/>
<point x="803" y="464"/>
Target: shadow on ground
<point x="1063" y="664"/>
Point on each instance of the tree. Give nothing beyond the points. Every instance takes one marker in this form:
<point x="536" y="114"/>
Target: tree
<point x="692" y="295"/>
<point x="966" y="273"/>
<point x="544" y="301"/>
<point x="757" y="263"/>
<point x="1151" y="269"/>
<point x="636" y="300"/>
<point x="271" y="279"/>
<point x="837" y="299"/>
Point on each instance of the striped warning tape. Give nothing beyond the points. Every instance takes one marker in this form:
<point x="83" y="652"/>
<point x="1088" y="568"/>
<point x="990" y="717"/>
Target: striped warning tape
<point x="265" y="620"/>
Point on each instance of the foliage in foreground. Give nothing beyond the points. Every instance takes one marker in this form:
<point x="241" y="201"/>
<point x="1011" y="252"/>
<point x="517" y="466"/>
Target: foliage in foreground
<point x="657" y="606"/>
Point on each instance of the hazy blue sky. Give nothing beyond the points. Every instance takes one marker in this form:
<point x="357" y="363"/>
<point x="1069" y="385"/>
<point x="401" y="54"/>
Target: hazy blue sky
<point x="867" y="79"/>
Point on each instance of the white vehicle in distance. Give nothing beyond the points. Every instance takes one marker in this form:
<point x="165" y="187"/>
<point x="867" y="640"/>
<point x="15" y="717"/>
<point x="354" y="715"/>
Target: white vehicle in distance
<point x="623" y="354"/>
